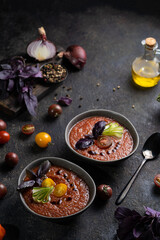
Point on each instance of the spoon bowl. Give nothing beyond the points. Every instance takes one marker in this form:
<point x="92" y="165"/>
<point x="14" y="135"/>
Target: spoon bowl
<point x="151" y="148"/>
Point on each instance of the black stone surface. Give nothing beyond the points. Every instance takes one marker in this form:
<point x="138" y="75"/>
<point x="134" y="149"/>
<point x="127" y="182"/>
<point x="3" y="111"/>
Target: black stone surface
<point x="111" y="32"/>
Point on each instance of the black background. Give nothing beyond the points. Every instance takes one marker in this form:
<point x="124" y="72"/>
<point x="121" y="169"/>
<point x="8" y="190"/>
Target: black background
<point x="110" y="32"/>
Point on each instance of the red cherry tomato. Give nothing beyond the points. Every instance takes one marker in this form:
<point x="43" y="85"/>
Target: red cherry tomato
<point x="104" y="192"/>
<point x="4" y="137"/>
<point x="3" y="191"/>
<point x="103" y="142"/>
<point x="3" y="125"/>
<point x="11" y="159"/>
<point x="157" y="180"/>
<point x="54" y="110"/>
<point x="2" y="232"/>
<point x="28" y="129"/>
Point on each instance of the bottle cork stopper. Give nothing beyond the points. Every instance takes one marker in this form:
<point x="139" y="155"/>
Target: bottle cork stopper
<point x="151" y="42"/>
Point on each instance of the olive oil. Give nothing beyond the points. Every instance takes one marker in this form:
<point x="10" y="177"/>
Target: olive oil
<point x="145" y="69"/>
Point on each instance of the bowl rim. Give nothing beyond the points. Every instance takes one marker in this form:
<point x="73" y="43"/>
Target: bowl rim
<point x="68" y="129"/>
<point x="69" y="168"/>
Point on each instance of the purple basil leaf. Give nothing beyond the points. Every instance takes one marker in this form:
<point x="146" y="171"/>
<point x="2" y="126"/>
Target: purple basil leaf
<point x="156" y="226"/>
<point x="84" y="143"/>
<point x="142" y="226"/>
<point x="151" y="212"/>
<point x="89" y="136"/>
<point x="43" y="169"/>
<point x="39" y="181"/>
<point x="19" y="77"/>
<point x="147" y="235"/>
<point x="3" y="86"/>
<point x="25" y="90"/>
<point x="121" y="213"/>
<point x="64" y="101"/>
<point x="133" y="226"/>
<point x="21" y="83"/>
<point x="6" y="66"/>
<point x="125" y="230"/>
<point x="10" y="85"/>
<point x="6" y="74"/>
<point x="30" y="71"/>
<point x="26" y="184"/>
<point x="31" y="103"/>
<point x="32" y="175"/>
<point x="98" y="128"/>
<point x="17" y="63"/>
<point x="20" y="97"/>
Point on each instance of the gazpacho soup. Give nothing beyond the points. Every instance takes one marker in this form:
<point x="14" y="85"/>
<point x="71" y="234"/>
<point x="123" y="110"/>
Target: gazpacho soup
<point x="54" y="191"/>
<point x="101" y="138"/>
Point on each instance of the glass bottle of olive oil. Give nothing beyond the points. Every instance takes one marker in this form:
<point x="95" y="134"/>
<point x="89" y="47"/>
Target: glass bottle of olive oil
<point x="146" y="69"/>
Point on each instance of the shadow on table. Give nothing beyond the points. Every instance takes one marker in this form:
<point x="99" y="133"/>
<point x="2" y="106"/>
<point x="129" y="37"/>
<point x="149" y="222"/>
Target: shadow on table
<point x="12" y="232"/>
<point x="72" y="6"/>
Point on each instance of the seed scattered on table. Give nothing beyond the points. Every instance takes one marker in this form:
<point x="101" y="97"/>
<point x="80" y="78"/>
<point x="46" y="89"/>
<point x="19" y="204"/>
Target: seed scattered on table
<point x="80" y="98"/>
<point x="98" y="84"/>
<point x="70" y="88"/>
<point x="118" y="87"/>
<point x="80" y="106"/>
<point x="114" y="89"/>
<point x="133" y="106"/>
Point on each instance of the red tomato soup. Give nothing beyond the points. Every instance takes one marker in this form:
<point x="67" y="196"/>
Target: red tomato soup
<point x="75" y="199"/>
<point x="118" y="149"/>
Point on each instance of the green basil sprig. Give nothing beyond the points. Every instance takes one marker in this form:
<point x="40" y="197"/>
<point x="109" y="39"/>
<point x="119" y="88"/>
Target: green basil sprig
<point x="113" y="129"/>
<point x="42" y="194"/>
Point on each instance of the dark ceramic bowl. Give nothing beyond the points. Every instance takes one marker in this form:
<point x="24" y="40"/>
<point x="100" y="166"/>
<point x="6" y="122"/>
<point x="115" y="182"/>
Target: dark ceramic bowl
<point x="46" y="80"/>
<point x="104" y="113"/>
<point x="70" y="166"/>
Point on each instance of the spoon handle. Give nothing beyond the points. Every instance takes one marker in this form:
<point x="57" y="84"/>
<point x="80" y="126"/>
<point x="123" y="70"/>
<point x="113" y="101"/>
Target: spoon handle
<point x="126" y="189"/>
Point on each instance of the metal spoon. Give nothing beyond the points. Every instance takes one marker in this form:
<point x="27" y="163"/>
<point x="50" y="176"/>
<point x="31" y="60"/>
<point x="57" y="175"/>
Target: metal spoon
<point x="150" y="150"/>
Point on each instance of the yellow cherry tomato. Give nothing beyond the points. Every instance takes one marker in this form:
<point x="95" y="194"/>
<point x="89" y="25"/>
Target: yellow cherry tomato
<point x="60" y="190"/>
<point x="42" y="139"/>
<point x="48" y="182"/>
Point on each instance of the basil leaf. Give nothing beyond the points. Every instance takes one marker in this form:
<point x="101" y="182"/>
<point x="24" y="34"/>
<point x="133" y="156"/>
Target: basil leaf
<point x="98" y="128"/>
<point x="84" y="143"/>
<point x="43" y="169"/>
<point x="64" y="101"/>
<point x="30" y="102"/>
<point x="42" y="194"/>
<point x="31" y="174"/>
<point x="26" y="184"/>
<point x="113" y="129"/>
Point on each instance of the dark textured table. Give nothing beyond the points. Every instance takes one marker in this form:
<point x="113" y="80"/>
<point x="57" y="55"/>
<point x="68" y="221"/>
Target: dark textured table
<point x="111" y="32"/>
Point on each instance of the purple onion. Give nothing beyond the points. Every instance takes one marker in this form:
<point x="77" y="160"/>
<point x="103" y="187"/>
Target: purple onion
<point x="41" y="49"/>
<point x="76" y="55"/>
